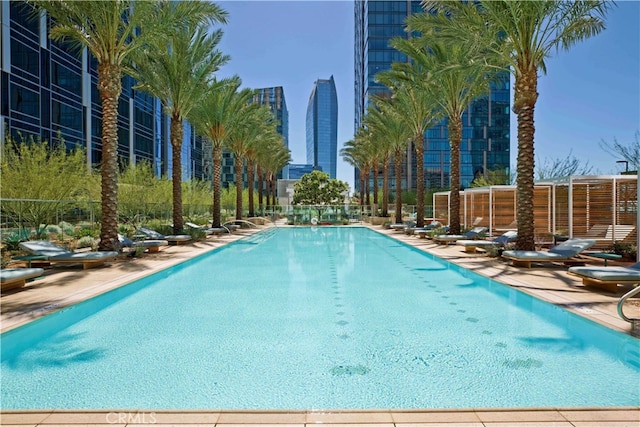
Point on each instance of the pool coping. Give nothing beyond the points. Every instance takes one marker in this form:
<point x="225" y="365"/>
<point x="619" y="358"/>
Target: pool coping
<point x="598" y="307"/>
<point x="531" y="417"/>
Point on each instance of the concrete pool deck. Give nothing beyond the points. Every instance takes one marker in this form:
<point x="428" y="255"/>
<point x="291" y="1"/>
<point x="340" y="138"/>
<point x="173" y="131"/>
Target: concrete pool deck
<point x="65" y="286"/>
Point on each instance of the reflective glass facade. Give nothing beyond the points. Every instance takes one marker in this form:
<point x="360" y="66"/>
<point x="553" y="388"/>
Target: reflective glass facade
<point x="322" y="127"/>
<point x="485" y="139"/>
<point x="49" y="91"/>
<point x="296" y="170"/>
<point x="273" y="97"/>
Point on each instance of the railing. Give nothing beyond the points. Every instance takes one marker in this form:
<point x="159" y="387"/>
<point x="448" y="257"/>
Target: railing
<point x="635" y="323"/>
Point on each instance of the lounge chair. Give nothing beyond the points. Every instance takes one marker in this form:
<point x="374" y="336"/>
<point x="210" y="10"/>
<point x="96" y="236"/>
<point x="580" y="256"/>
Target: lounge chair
<point x="150" y="245"/>
<point x="500" y="241"/>
<point x="207" y="230"/>
<point x="565" y="253"/>
<point x="421" y="231"/>
<point x="56" y="254"/>
<point x="175" y="239"/>
<point x="607" y="278"/>
<point x="445" y="239"/>
<point x="402" y="226"/>
<point x="15" y="278"/>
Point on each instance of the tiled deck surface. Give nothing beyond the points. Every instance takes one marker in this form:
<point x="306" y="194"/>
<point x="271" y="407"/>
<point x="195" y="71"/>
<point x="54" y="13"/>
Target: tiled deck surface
<point x="64" y="286"/>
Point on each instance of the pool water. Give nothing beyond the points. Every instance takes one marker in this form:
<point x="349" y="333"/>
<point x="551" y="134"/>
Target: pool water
<point x="316" y="318"/>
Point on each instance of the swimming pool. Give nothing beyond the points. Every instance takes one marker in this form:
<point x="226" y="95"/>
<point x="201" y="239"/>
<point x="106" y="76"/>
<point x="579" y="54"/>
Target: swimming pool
<point x="316" y="318"/>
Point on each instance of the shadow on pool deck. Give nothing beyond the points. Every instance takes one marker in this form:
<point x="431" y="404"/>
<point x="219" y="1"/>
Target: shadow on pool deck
<point x="65" y="286"/>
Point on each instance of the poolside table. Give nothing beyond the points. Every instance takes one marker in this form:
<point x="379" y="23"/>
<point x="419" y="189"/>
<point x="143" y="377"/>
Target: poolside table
<point x="604" y="255"/>
<point x="30" y="258"/>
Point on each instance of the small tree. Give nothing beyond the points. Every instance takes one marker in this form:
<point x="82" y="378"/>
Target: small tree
<point x="316" y="188"/>
<point x="629" y="152"/>
<point x="557" y="168"/>
<point x="44" y="178"/>
<point x="492" y="177"/>
<point x="140" y="192"/>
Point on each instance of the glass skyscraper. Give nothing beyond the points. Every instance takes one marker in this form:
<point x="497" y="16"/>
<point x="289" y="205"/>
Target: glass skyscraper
<point x="322" y="127"/>
<point x="485" y="136"/>
<point x="49" y="91"/>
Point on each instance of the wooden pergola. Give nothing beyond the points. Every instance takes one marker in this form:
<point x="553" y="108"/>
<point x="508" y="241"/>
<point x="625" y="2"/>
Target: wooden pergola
<point x="603" y="207"/>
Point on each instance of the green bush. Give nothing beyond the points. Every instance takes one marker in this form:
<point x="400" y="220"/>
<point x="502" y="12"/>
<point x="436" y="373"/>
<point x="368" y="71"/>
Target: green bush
<point x="67" y="228"/>
<point x="86" y="242"/>
<point x="54" y="229"/>
<point x="626" y="250"/>
<point x="81" y="232"/>
<point x="13" y="238"/>
<point x="197" y="234"/>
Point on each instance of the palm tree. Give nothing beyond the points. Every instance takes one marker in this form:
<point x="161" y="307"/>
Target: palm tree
<point x="387" y="120"/>
<point x="518" y="35"/>
<point x="112" y="31"/>
<point x="213" y="118"/>
<point x="274" y="158"/>
<point x="351" y="153"/>
<point x="413" y="90"/>
<point x="452" y="83"/>
<point x="246" y="127"/>
<point x="267" y="136"/>
<point x="176" y="70"/>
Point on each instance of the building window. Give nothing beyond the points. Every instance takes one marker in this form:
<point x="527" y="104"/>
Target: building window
<point x="25" y="101"/>
<point x="66" y="78"/>
<point x="66" y="116"/>
<point x="24" y="58"/>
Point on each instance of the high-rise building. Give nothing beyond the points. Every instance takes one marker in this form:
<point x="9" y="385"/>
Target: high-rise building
<point x="485" y="136"/>
<point x="322" y="127"/>
<point x="273" y="97"/>
<point x="49" y="91"/>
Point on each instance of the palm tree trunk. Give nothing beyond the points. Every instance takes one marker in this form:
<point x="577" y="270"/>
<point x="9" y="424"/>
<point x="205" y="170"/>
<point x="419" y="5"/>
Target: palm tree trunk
<point x="362" y="188"/>
<point x="177" y="133"/>
<point x="260" y="188"/>
<point x="385" y="186"/>
<point x="397" y="160"/>
<point x="525" y="96"/>
<point x="455" y="138"/>
<point x="267" y="180"/>
<point x="419" y="144"/>
<point x="375" y="185"/>
<point x="217" y="185"/>
<point x="110" y="87"/>
<point x="273" y="191"/>
<point x="238" y="161"/>
<point x="367" y="190"/>
<point x="250" y="179"/>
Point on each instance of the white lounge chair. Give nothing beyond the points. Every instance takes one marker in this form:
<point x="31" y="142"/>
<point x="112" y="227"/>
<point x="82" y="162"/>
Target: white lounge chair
<point x="445" y="239"/>
<point x="174" y="239"/>
<point x="500" y="241"/>
<point x="56" y="254"/>
<point x="15" y="278"/>
<point x="607" y="278"/>
<point x="565" y="253"/>
<point x="208" y="230"/>
<point x="152" y="245"/>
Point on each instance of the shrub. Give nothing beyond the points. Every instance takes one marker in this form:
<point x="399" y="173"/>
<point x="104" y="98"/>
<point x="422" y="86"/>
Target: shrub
<point x="626" y="250"/>
<point x="12" y="239"/>
<point x="86" y="242"/>
<point x="54" y="229"/>
<point x="197" y="234"/>
<point x="85" y="232"/>
<point x="67" y="228"/>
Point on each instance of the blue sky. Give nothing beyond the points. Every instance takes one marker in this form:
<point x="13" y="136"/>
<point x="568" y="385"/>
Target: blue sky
<point x="589" y="94"/>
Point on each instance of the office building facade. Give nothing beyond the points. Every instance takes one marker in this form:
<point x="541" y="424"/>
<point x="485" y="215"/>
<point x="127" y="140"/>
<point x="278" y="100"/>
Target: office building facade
<point x="485" y="137"/>
<point x="322" y="127"/>
<point x="49" y="92"/>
